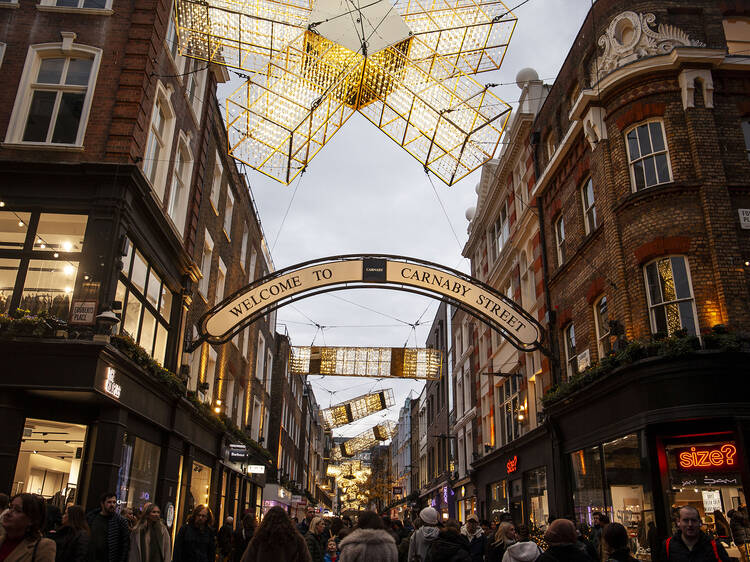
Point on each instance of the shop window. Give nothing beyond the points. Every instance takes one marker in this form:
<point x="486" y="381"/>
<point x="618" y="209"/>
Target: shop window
<point x="560" y="240"/>
<point x="48" y="287"/>
<point x="648" y="155"/>
<point x="206" y="258"/>
<point x="180" y="189"/>
<point x="49" y="460"/>
<point x="139" y="469"/>
<point x="670" y="296"/>
<point x="509" y="401"/>
<point x="159" y="143"/>
<point x="8" y="274"/>
<point x="498" y="501"/>
<point x="216" y="184"/>
<point x="589" y="209"/>
<point x="588" y="484"/>
<point x="737" y="33"/>
<point x="746" y="134"/>
<point x="200" y="487"/>
<point x="571" y="360"/>
<point x="146" y="304"/>
<point x="535" y="486"/>
<point x="601" y="320"/>
<point x="55" y="95"/>
<point x="13" y="229"/>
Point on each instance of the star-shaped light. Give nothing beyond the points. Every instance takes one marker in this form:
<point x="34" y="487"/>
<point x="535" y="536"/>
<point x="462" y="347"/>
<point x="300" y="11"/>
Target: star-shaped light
<point x="312" y="63"/>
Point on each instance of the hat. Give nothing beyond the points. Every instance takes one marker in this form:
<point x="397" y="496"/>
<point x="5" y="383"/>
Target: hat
<point x="429" y="515"/>
<point x="472" y="517"/>
<point x="561" y="531"/>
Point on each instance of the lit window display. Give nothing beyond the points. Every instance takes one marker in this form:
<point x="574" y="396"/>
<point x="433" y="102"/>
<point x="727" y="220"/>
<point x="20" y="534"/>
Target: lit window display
<point x="200" y="487"/>
<point x="13" y="229"/>
<point x="535" y="486"/>
<point x="498" y="500"/>
<point x="139" y="467"/>
<point x="49" y="287"/>
<point x="8" y="273"/>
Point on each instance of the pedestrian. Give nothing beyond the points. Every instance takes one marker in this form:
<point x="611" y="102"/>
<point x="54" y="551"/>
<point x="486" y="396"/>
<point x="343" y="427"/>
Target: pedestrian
<point x="127" y="513"/>
<point x="738" y="523"/>
<point x="450" y="546"/>
<point x="424" y="536"/>
<point x="335" y="528"/>
<point x="110" y="534"/>
<point x="486" y="529"/>
<point x="224" y="539"/>
<point x="276" y="540"/>
<point x="23" y="523"/>
<point x="722" y="527"/>
<point x="522" y="551"/>
<point x="304" y="526"/>
<point x="477" y="539"/>
<point x="4" y="503"/>
<point x="689" y="543"/>
<point x="504" y="537"/>
<point x="332" y="551"/>
<point x="242" y="536"/>
<point x="196" y="541"/>
<point x="600" y="521"/>
<point x="150" y="540"/>
<point x="617" y="539"/>
<point x="73" y="537"/>
<point x="561" y="538"/>
<point x="369" y="541"/>
<point x="654" y="543"/>
<point x="315" y="539"/>
<point x="347" y="521"/>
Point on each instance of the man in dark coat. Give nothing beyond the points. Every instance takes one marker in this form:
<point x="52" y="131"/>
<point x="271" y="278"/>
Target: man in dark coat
<point x="224" y="539"/>
<point x="689" y="543"/>
<point x="450" y="546"/>
<point x="110" y="534"/>
<point x="242" y="536"/>
<point x="476" y="538"/>
<point x="562" y="540"/>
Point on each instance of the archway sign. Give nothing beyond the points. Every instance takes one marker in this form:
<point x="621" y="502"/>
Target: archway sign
<point x="337" y="273"/>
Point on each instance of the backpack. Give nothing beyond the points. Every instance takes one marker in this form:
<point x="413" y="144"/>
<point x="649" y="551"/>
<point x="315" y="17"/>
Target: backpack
<point x="713" y="545"/>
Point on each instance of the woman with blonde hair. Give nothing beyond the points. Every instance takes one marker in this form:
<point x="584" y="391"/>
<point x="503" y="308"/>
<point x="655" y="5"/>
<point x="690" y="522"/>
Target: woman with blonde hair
<point x="504" y="537"/>
<point x="315" y="539"/>
<point x="149" y="540"/>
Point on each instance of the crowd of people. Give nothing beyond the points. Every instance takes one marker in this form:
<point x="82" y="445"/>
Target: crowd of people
<point x="103" y="535"/>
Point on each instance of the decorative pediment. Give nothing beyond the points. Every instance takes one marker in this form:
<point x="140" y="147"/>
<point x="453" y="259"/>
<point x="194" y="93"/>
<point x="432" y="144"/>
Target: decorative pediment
<point x="630" y="36"/>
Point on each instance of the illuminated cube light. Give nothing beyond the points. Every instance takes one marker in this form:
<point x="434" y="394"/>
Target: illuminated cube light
<point x="357" y="408"/>
<point x="364" y="441"/>
<point x="379" y="362"/>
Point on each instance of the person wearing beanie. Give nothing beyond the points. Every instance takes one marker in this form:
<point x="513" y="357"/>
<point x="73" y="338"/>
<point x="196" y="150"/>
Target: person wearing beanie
<point x="526" y="551"/>
<point x="562" y="538"/>
<point x="424" y="536"/>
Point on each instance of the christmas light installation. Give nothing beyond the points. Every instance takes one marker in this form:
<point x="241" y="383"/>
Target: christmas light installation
<point x="380" y="362"/>
<point x="357" y="408"/>
<point x="405" y="66"/>
<point x="364" y="441"/>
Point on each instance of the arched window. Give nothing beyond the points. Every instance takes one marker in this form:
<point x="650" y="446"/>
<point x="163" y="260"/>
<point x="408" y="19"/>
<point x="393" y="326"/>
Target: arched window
<point x="601" y="321"/>
<point x="670" y="296"/>
<point x="648" y="155"/>
<point x="55" y="94"/>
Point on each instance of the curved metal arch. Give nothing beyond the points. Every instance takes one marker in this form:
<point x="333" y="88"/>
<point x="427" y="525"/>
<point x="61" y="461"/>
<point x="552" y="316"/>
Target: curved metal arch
<point x="246" y="304"/>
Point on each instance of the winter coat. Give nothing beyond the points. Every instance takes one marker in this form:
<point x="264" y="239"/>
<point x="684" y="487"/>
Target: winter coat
<point x="165" y="543"/>
<point x="368" y="545"/>
<point x="38" y="550"/>
<point x="193" y="544"/>
<point x="118" y="536"/>
<point x="450" y="546"/>
<point x="703" y="551"/>
<point x="740" y="530"/>
<point x="564" y="553"/>
<point x="496" y="550"/>
<point x="240" y="539"/>
<point x="527" y="551"/>
<point x="622" y="555"/>
<point x="477" y="544"/>
<point x="224" y="539"/>
<point x="72" y="545"/>
<point x="289" y="551"/>
<point x="420" y="542"/>
<point x="315" y="546"/>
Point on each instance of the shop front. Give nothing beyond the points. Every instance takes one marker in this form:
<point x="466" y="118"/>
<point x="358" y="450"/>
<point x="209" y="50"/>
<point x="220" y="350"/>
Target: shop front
<point x="466" y="500"/>
<point x="442" y="498"/>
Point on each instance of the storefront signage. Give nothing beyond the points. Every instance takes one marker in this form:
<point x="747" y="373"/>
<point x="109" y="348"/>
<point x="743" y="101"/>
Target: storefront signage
<point x="711" y="500"/>
<point x="744" y="218"/>
<point x="296" y="499"/>
<point x="225" y="319"/>
<point x="83" y="313"/>
<point x="169" y="515"/>
<point x="256" y="469"/>
<point x="110" y="385"/>
<point x="237" y="453"/>
<point x="716" y="458"/>
<point x="283" y="493"/>
<point x="512" y="464"/>
<point x="397" y="490"/>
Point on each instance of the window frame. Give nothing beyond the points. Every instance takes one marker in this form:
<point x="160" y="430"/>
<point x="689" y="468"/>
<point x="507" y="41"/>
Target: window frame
<point x="10" y="4"/>
<point x="205" y="281"/>
<point x="591" y="208"/>
<point x="653" y="154"/>
<point x="500" y="232"/>
<point x="652" y="307"/>
<point x="560" y="240"/>
<point x="3" y="47"/>
<point x="158" y="184"/>
<point x="228" y="213"/>
<point x="221" y="281"/>
<point x="598" y="328"/>
<point x="183" y="149"/>
<point x="51" y="6"/>
<point x="216" y="181"/>
<point x="571" y="357"/>
<point x="745" y="127"/>
<point x="24" y="94"/>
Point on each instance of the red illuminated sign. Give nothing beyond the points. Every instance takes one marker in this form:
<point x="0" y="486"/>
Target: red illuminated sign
<point x="713" y="458"/>
<point x="512" y="464"/>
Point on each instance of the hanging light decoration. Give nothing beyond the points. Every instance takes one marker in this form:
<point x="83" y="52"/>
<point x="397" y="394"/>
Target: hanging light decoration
<point x="364" y="441"/>
<point x="380" y="362"/>
<point x="312" y="63"/>
<point x="357" y="408"/>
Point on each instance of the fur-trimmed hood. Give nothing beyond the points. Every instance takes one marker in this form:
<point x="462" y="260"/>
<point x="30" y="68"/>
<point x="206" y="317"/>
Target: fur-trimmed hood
<point x="367" y="545"/>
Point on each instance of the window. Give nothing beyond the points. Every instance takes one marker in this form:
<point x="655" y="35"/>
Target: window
<point x="159" y="141"/>
<point x="560" y="240"/>
<point x="243" y="246"/>
<point x="551" y="145"/>
<point x="571" y="361"/>
<point x="208" y="252"/>
<point x="173" y="43"/>
<point x="221" y="278"/>
<point x="216" y="184"/>
<point x="589" y="209"/>
<point x="90" y="6"/>
<point x="500" y="232"/>
<point x="269" y="370"/>
<point x="228" y="211"/>
<point x="737" y="32"/>
<point x="520" y="189"/>
<point x="670" y="296"/>
<point x="253" y="259"/>
<point x="54" y="97"/>
<point x="195" y="82"/>
<point x="2" y="49"/>
<point x="648" y="156"/>
<point x="746" y="134"/>
<point x="180" y="189"/>
<point x="601" y="320"/>
<point x="146" y="304"/>
<point x="509" y="400"/>
<point x="8" y="3"/>
<point x="260" y="355"/>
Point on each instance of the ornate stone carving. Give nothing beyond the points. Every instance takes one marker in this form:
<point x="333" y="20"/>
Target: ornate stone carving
<point x="630" y="36"/>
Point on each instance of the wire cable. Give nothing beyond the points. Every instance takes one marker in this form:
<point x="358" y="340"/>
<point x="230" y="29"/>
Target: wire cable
<point x="283" y="220"/>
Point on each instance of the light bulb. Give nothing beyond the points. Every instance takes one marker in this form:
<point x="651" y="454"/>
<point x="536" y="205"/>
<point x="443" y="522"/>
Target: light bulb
<point x="68" y="290"/>
<point x="67" y="246"/>
<point x="20" y="223"/>
<point x="57" y="255"/>
<point x="68" y="270"/>
<point x="2" y="203"/>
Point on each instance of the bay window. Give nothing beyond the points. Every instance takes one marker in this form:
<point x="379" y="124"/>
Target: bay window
<point x="670" y="296"/>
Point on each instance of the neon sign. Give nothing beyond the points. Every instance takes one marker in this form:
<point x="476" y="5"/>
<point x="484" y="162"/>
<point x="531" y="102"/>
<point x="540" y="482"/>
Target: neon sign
<point x="713" y="458"/>
<point x="512" y="464"/>
<point x="110" y="385"/>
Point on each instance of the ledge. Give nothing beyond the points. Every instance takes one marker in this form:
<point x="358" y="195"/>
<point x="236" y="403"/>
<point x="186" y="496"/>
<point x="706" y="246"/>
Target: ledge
<point x="72" y="10"/>
<point x="42" y="145"/>
<point x="11" y="5"/>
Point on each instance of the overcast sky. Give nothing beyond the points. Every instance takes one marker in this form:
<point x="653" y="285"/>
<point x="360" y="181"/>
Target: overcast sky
<point x="364" y="194"/>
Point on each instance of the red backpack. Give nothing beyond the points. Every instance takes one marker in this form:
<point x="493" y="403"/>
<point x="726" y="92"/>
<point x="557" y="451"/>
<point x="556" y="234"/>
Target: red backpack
<point x="713" y="544"/>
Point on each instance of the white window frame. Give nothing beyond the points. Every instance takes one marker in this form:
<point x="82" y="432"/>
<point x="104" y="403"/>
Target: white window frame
<point x="2" y="53"/>
<point x="560" y="240"/>
<point x="571" y="359"/>
<point x="207" y="253"/>
<point x="589" y="207"/>
<point x="228" y="213"/>
<point x="253" y="263"/>
<point x="746" y="133"/>
<point x="269" y="370"/>
<point x="172" y="45"/>
<point x="195" y="87"/>
<point x="653" y="307"/>
<point x="159" y="167"/>
<point x="181" y="182"/>
<point x="51" y="6"/>
<point x="11" y="4"/>
<point x="260" y="357"/>
<point x="221" y="281"/>
<point x="243" y="245"/>
<point x="213" y="197"/>
<point x="602" y="332"/>
<point x="499" y="235"/>
<point x="22" y="104"/>
<point x="642" y="158"/>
